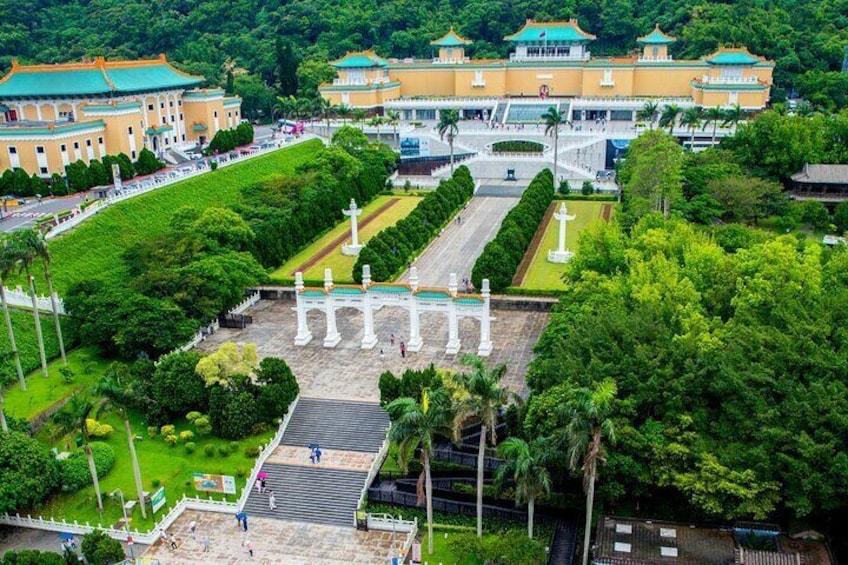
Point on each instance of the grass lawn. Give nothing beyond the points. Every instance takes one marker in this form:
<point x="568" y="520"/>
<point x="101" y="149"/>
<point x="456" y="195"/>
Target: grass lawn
<point x="442" y="553"/>
<point x="87" y="365"/>
<point x="171" y="466"/>
<point x="342" y="265"/>
<point x="24" y="327"/>
<point x="93" y="250"/>
<point x="543" y="275"/>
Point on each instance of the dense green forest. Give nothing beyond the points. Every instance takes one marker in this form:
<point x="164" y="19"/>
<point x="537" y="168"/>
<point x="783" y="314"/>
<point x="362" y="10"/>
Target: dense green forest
<point x="212" y="37"/>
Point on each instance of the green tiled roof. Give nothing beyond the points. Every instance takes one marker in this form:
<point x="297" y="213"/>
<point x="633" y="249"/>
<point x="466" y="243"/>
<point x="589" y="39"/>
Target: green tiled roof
<point x="469" y="300"/>
<point x="363" y="59"/>
<point x="390" y="289"/>
<point x="232" y="101"/>
<point x="553" y="31"/>
<point x="203" y="94"/>
<point x="160" y="129"/>
<point x="312" y="293"/>
<point x="56" y="129"/>
<point x="450" y="39"/>
<point x="433" y="295"/>
<point x="656" y="37"/>
<point x="346" y="290"/>
<point x="99" y="77"/>
<point x="199" y="127"/>
<point x="732" y="58"/>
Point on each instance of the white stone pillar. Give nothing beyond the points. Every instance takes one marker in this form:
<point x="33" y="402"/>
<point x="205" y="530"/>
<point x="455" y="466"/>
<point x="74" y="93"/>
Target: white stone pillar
<point x="413" y="278"/>
<point x="369" y="338"/>
<point x="561" y="255"/>
<point x="453" y="345"/>
<point x="304" y="336"/>
<point x="354" y="247"/>
<point x="415" y="342"/>
<point x="333" y="338"/>
<point x="485" y="348"/>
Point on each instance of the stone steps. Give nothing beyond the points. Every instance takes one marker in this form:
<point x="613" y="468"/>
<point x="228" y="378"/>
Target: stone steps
<point x="342" y="425"/>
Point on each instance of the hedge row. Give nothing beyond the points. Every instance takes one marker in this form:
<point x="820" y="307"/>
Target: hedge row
<point x="393" y="248"/>
<point x="502" y="255"/>
<point x="517" y="146"/>
<point x="75" y="472"/>
<point x="228" y="139"/>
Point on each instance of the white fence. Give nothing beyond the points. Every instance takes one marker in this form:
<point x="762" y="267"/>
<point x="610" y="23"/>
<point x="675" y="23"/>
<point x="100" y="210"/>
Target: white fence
<point x="65" y="223"/>
<point x="186" y="503"/>
<point x="388" y="523"/>
<point x="20" y="298"/>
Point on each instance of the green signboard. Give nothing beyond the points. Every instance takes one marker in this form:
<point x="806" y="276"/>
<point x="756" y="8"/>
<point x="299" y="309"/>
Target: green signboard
<point x="158" y="500"/>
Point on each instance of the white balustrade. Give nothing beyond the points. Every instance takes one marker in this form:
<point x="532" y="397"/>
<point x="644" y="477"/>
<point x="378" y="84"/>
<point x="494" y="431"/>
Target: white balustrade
<point x="19" y="298"/>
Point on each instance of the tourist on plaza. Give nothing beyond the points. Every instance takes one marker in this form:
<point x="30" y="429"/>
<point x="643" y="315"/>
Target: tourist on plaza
<point x="206" y="543"/>
<point x="163" y="536"/>
<point x="192" y="527"/>
<point x="317" y="454"/>
<point x="249" y="546"/>
<point x="392" y="339"/>
<point x="173" y="541"/>
<point x="403" y="350"/>
<point x="272" y="501"/>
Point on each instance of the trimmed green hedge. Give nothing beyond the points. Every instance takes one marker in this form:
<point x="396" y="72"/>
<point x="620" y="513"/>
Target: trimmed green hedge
<point x="502" y="255"/>
<point x="391" y="250"/>
<point x="514" y="146"/>
<point x="74" y="470"/>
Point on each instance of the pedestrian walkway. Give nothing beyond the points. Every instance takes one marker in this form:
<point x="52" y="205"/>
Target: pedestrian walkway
<point x="274" y="543"/>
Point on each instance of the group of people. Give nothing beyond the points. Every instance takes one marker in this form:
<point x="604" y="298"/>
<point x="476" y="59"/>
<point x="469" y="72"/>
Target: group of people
<point x="314" y="453"/>
<point x="392" y="343"/>
<point x="173" y="542"/>
<point x="262" y="488"/>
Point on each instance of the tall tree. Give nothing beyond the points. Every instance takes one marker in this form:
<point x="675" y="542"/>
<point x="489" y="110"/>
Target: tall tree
<point x="713" y="116"/>
<point x="25" y="252"/>
<point x="482" y="398"/>
<point x="376" y="122"/>
<point x="344" y="112"/>
<point x="552" y="120"/>
<point x="39" y="245"/>
<point x="648" y="113"/>
<point x="414" y="427"/>
<point x="325" y="110"/>
<point x="8" y="263"/>
<point x="393" y="119"/>
<point x="358" y="115"/>
<point x="691" y="118"/>
<point x="668" y="118"/>
<point x="286" y="67"/>
<point x="588" y="424"/>
<point x="73" y="418"/>
<point x="733" y="115"/>
<point x="526" y="465"/>
<point x="449" y="126"/>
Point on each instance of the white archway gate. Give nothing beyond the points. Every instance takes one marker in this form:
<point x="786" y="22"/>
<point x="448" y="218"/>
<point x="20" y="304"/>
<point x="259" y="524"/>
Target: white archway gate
<point x="371" y="297"/>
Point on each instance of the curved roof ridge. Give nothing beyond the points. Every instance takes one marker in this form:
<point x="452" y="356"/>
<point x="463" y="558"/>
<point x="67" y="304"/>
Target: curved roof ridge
<point x="568" y="30"/>
<point x="450" y="39"/>
<point x="657" y="36"/>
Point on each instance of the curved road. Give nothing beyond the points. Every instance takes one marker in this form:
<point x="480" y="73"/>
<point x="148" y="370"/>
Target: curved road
<point x="459" y="245"/>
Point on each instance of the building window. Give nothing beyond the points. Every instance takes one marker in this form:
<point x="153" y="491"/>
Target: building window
<point x="215" y="113"/>
<point x="13" y="150"/>
<point x="88" y="143"/>
<point x="179" y="102"/>
<point x="63" y="148"/>
<point x="76" y="144"/>
<point x="100" y="141"/>
<point x="150" y="107"/>
<point x="161" y="105"/>
<point x="132" y="154"/>
<point x="39" y="150"/>
<point x="43" y="170"/>
<point x="171" y="103"/>
<point x="181" y="116"/>
<point x="229" y="114"/>
<point x="130" y="130"/>
<point x="183" y="137"/>
<point x="175" y="139"/>
<point x="173" y="118"/>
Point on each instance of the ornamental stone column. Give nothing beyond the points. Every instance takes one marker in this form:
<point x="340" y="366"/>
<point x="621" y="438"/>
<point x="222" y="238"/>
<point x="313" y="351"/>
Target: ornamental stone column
<point x="415" y="342"/>
<point x="333" y="337"/>
<point x="369" y="338"/>
<point x="453" y="345"/>
<point x="354" y="247"/>
<point x="485" y="348"/>
<point x="303" y="336"/>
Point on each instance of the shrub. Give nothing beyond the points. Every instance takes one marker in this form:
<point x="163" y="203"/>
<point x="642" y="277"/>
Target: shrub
<point x="223" y="450"/>
<point x="209" y="450"/>
<point x="193" y="416"/>
<point x="176" y="387"/>
<point x="587" y="188"/>
<point x="502" y="255"/>
<point x="202" y="425"/>
<point x="74" y="470"/>
<point x="152" y="431"/>
<point x="517" y="146"/>
<point x="251" y="451"/>
<point x="32" y="557"/>
<point x="240" y="472"/>
<point x="156" y="483"/>
<point x="233" y="446"/>
<point x="233" y="412"/>
<point x="96" y="429"/>
<point x="190" y="447"/>
<point x="28" y="471"/>
<point x="389" y="387"/>
<point x="259" y="428"/>
<point x="171" y="439"/>
<point x="67" y="374"/>
<point x="186" y="435"/>
<point x="100" y="549"/>
<point x="168" y="430"/>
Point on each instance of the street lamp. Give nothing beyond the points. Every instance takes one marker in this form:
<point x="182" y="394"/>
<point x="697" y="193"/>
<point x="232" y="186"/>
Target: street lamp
<point x="126" y="519"/>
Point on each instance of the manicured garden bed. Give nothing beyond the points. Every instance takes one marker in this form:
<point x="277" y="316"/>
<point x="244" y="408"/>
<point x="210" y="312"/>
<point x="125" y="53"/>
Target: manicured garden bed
<point x="394" y="208"/>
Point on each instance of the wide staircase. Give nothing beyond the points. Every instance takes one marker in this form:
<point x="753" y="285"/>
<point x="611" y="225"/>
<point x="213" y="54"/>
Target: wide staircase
<point x="318" y="493"/>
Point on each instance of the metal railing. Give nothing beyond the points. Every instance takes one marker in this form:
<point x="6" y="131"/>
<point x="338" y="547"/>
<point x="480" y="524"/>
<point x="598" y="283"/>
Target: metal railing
<point x="707" y="79"/>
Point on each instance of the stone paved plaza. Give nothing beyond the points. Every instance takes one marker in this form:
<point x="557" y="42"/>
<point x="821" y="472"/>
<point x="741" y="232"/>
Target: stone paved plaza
<point x="330" y="458"/>
<point x="348" y="372"/>
<point x="275" y="542"/>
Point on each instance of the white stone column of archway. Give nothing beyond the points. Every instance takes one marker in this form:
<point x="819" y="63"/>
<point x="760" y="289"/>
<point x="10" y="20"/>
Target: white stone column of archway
<point x="369" y="338"/>
<point x="485" y="348"/>
<point x="453" y="345"/>
<point x="304" y="336"/>
<point x="415" y="342"/>
<point x="333" y="337"/>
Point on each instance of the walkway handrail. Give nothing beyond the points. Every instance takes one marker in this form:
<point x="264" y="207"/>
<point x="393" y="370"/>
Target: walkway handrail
<point x="19" y="298"/>
<point x="373" y="470"/>
<point x="265" y="453"/>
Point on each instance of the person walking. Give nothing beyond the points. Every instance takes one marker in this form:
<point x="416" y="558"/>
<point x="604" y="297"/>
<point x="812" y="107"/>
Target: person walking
<point x="262" y="485"/>
<point x="173" y="542"/>
<point x="272" y="501"/>
<point x="249" y="546"/>
<point x="192" y="528"/>
<point x="318" y="454"/>
<point x="164" y="537"/>
<point x="392" y="340"/>
<point x="403" y="350"/>
<point x="206" y="544"/>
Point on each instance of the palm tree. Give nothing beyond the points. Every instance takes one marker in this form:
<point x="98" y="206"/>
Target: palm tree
<point x="648" y="113"/>
<point x="359" y="115"/>
<point x="587" y="424"/>
<point x="344" y="111"/>
<point x="286" y="105"/>
<point x="414" y="426"/>
<point x="376" y="122"/>
<point x="39" y="245"/>
<point x="668" y="118"/>
<point x="73" y="418"/>
<point x="112" y="389"/>
<point x="448" y="126"/>
<point x="733" y="115"/>
<point x="8" y="260"/>
<point x="525" y="464"/>
<point x="304" y="108"/>
<point x="25" y="252"/>
<point x="393" y="118"/>
<point x="553" y="119"/>
<point x="483" y="398"/>
<point x="691" y="118"/>
<point x="325" y="110"/>
<point x="714" y="116"/>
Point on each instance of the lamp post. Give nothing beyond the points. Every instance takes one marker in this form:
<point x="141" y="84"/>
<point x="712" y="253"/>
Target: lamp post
<point x="126" y="519"/>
